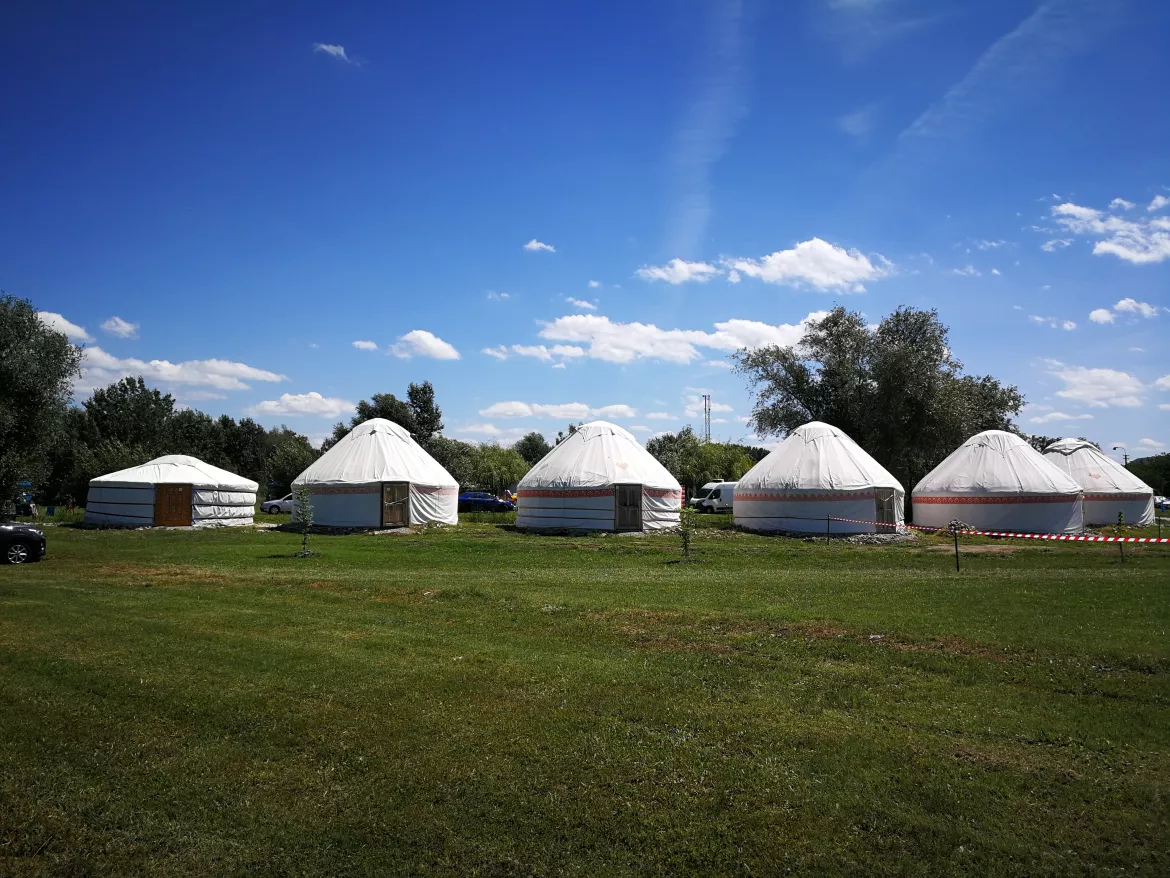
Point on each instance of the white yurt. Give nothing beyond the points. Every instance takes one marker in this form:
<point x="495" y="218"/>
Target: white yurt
<point x="378" y="476"/>
<point x="814" y="476"/>
<point x="171" y="491"/>
<point x="996" y="481"/>
<point x="599" y="478"/>
<point x="1109" y="487"/>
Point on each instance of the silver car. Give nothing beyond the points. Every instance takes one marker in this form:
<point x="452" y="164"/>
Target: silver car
<point x="275" y="507"/>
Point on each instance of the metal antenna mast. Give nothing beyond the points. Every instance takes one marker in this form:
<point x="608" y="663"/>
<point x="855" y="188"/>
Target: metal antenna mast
<point x="706" y="417"/>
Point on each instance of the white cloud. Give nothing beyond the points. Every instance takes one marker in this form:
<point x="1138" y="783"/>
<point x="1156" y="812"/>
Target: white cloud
<point x="121" y="328"/>
<point x="678" y="271"/>
<point x="594" y="284"/>
<point x="1158" y="203"/>
<point x="1163" y="383"/>
<point x="362" y="345"/>
<point x="497" y="297"/>
<point x="333" y="51"/>
<point x="1060" y="416"/>
<point x="1122" y="203"/>
<point x="693" y="402"/>
<point x="1101" y="315"/>
<point x="581" y="303"/>
<point x="482" y="429"/>
<point x="538" y="351"/>
<point x="989" y="245"/>
<point x="1131" y="306"/>
<point x="1098" y="388"/>
<point x="420" y="343"/>
<point x="56" y="322"/>
<point x="573" y="411"/>
<point x="310" y="403"/>
<point x="1140" y="242"/>
<point x="101" y="368"/>
<point x="996" y="272"/>
<point x="967" y="271"/>
<point x="661" y="416"/>
<point x="1138" y="350"/>
<point x="859" y="123"/>
<point x="1151" y="443"/>
<point x="1053" y="322"/>
<point x="640" y="428"/>
<point x="626" y="342"/>
<point x="718" y="364"/>
<point x="1165" y="407"/>
<point x="733" y="277"/>
<point x="499" y="352"/>
<point x="1055" y="244"/>
<point x="816" y="263"/>
<point x="536" y="246"/>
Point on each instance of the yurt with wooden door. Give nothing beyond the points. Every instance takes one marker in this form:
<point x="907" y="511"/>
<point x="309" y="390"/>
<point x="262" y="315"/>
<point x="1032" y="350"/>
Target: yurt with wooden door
<point x="378" y="476"/>
<point x="996" y="481"/>
<point x="819" y="480"/>
<point x="1110" y="489"/>
<point x="599" y="478"/>
<point x="171" y="491"/>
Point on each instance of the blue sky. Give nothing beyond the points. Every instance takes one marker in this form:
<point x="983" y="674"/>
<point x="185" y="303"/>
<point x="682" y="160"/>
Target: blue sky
<point x="557" y="211"/>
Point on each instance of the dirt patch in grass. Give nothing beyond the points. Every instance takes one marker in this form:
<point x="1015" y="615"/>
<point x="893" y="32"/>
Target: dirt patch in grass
<point x="676" y="630"/>
<point x="975" y="550"/>
<point x="164" y="574"/>
<point x="406" y="595"/>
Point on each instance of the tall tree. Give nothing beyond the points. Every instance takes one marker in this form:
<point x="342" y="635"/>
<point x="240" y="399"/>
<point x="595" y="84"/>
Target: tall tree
<point x="131" y="413"/>
<point x="896" y="390"/>
<point x="428" y="417"/>
<point x="37" y="368"/>
<point x="532" y="447"/>
<point x="289" y="455"/>
<point x="417" y="413"/>
<point x="496" y="468"/>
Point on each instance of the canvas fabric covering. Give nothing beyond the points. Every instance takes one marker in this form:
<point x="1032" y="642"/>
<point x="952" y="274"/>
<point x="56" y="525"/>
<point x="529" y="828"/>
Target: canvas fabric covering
<point x="815" y="475"/>
<point x="997" y="481"/>
<point x="1109" y="487"/>
<point x="346" y="481"/>
<point x="572" y="487"/>
<point x="126" y="498"/>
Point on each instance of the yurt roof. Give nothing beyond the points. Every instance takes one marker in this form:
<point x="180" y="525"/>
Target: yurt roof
<point x="177" y="469"/>
<point x="818" y="456"/>
<point x="596" y="455"/>
<point x="376" y="450"/>
<point x="1092" y="470"/>
<point x="996" y="462"/>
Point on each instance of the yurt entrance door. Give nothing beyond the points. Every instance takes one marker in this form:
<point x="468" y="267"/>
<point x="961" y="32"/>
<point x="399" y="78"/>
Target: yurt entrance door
<point x="885" y="512"/>
<point x="395" y="504"/>
<point x="172" y="505"/>
<point x="627" y="507"/>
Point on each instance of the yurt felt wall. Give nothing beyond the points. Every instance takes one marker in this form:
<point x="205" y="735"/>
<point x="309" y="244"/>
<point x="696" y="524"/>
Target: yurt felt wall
<point x="212" y="496"/>
<point x="1110" y="489"/>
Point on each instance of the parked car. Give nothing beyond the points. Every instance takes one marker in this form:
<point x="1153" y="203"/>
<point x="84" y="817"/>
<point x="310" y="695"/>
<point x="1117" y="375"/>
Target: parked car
<point x="275" y="507"/>
<point x="714" y="497"/>
<point x="480" y="501"/>
<point x="21" y="543"/>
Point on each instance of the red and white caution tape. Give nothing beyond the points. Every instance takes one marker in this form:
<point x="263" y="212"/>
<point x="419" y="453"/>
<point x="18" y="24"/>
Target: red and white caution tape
<point x="1064" y="538"/>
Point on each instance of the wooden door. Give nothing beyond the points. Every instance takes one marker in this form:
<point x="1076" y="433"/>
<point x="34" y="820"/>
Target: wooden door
<point x="627" y="507"/>
<point x="396" y="504"/>
<point x="885" y="512"/>
<point x="172" y="505"/>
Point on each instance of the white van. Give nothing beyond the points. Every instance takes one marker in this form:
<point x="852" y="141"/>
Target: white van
<point x="714" y="497"/>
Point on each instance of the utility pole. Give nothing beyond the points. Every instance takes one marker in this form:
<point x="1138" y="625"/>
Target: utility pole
<point x="1124" y="453"/>
<point x="706" y="417"/>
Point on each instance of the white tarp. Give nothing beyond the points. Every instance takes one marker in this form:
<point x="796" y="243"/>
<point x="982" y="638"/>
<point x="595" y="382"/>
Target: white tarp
<point x="346" y="481"/>
<point x="1109" y="487"/>
<point x="997" y="481"/>
<point x="573" y="486"/>
<point x="814" y="476"/>
<point x="126" y="498"/>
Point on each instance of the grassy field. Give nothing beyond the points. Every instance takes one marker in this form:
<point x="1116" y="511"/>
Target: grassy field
<point x="477" y="701"/>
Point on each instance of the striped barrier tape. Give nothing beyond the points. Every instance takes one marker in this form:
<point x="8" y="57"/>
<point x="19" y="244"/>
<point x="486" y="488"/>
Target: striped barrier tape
<point x="1064" y="538"/>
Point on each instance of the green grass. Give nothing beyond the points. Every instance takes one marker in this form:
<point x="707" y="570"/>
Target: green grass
<point x="476" y="701"/>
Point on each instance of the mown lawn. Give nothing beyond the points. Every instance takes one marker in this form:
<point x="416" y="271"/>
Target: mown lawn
<point x="476" y="701"/>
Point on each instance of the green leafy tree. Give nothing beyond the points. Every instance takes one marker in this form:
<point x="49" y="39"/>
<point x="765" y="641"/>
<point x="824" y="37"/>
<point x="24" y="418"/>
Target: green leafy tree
<point x="132" y="414"/>
<point x="37" y="368"/>
<point x="532" y="447"/>
<point x="896" y="390"/>
<point x="1154" y="471"/>
<point x="495" y="468"/>
<point x="695" y="463"/>
<point x="457" y="458"/>
<point x="562" y="435"/>
<point x="303" y="514"/>
<point x="418" y="413"/>
<point x="289" y="455"/>
<point x="428" y="417"/>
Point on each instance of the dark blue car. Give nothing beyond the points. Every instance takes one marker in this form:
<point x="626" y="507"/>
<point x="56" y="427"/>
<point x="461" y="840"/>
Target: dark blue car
<point x="480" y="501"/>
